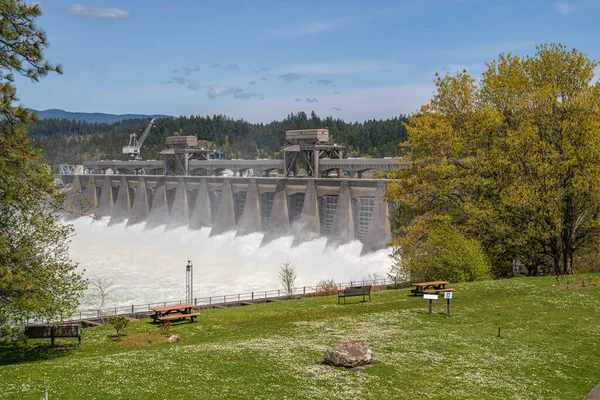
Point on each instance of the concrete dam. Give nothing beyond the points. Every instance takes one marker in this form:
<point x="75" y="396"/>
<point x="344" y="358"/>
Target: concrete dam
<point x="342" y="210"/>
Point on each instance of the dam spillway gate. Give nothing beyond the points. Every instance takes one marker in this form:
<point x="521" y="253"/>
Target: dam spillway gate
<point x="306" y="208"/>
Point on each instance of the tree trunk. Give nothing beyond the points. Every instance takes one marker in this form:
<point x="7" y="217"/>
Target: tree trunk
<point x="568" y="261"/>
<point x="557" y="269"/>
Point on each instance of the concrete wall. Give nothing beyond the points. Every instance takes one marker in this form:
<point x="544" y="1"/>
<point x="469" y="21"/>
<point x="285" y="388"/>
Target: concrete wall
<point x="303" y="208"/>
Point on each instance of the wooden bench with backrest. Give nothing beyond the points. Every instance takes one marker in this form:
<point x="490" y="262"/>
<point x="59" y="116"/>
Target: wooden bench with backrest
<point x="54" y="331"/>
<point x="179" y="316"/>
<point x="353" y="291"/>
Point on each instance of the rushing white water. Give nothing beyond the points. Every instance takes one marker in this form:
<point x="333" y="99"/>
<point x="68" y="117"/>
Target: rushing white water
<point x="150" y="266"/>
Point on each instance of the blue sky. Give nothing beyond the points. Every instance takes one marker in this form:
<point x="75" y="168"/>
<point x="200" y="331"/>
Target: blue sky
<point x="261" y="60"/>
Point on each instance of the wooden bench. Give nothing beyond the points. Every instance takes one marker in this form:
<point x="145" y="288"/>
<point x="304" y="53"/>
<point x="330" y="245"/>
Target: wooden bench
<point x="179" y="316"/>
<point x="54" y="331"/>
<point x="354" y="291"/>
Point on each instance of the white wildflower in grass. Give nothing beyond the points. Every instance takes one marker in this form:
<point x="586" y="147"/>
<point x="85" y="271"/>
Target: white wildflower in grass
<point x="548" y="349"/>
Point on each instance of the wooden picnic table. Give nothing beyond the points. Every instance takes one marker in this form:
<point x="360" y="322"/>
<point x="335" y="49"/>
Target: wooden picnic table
<point x="420" y="288"/>
<point x="173" y="312"/>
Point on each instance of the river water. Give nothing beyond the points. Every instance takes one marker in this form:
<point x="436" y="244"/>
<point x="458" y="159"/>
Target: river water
<point x="149" y="266"/>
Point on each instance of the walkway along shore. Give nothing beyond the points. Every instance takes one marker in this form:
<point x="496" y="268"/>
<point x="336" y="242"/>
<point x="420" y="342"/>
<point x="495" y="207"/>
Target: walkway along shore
<point x="94" y="317"/>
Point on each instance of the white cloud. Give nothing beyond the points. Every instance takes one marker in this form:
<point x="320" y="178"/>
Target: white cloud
<point x="191" y="68"/>
<point x="355" y="105"/>
<point x="565" y="8"/>
<point x="98" y="12"/>
<point x="338" y="67"/>
<point x="291" y="76"/>
<point x="310" y="27"/>
<point x="195" y="86"/>
<point x="238" y="93"/>
<point x="178" y="80"/>
<point x="233" y="67"/>
<point x="324" y="82"/>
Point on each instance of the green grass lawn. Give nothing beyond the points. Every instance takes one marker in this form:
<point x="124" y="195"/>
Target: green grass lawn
<point x="549" y="349"/>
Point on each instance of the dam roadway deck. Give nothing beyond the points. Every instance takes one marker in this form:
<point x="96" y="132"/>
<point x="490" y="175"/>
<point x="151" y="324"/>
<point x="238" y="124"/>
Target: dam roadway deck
<point x="354" y="166"/>
<point x="306" y="208"/>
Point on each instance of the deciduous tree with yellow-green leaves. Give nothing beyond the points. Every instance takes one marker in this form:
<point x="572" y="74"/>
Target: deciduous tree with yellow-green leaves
<point x="512" y="160"/>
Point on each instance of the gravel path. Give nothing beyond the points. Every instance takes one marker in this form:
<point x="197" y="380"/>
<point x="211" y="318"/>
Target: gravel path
<point x="594" y="394"/>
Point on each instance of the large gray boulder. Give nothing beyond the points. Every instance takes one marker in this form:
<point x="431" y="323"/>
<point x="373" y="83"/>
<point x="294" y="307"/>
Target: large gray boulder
<point x="348" y="355"/>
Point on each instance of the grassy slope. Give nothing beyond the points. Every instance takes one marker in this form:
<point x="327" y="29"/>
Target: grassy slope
<point x="550" y="348"/>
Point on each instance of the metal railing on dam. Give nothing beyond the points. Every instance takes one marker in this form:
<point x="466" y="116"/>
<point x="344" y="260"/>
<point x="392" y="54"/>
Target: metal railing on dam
<point x="237" y="299"/>
<point x="355" y="167"/>
<point x="340" y="209"/>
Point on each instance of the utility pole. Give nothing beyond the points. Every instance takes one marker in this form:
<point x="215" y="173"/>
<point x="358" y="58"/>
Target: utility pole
<point x="189" y="282"/>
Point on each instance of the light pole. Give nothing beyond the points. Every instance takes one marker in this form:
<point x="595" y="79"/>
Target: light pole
<point x="189" y="282"/>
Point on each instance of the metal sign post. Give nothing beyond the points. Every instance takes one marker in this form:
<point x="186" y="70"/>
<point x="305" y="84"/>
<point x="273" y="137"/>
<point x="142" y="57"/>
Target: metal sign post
<point x="189" y="282"/>
<point x="448" y="296"/>
<point x="430" y="297"/>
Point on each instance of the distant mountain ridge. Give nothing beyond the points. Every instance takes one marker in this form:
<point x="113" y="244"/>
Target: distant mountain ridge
<point x="93" y="117"/>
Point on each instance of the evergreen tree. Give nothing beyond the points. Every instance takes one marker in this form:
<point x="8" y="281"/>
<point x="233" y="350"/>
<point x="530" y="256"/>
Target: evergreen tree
<point x="37" y="279"/>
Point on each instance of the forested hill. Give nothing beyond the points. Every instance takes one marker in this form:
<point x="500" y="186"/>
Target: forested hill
<point x="70" y="142"/>
<point x="91" y="117"/>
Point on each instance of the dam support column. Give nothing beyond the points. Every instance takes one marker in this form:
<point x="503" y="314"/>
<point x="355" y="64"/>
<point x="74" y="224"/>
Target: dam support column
<point x="251" y="220"/>
<point x="89" y="198"/>
<point x="180" y="214"/>
<point x="379" y="227"/>
<point x="159" y="214"/>
<point x="140" y="209"/>
<point x="107" y="202"/>
<point x="201" y="215"/>
<point x="122" y="206"/>
<point x="225" y="218"/>
<point x="342" y="230"/>
<point x="279" y="223"/>
<point x="309" y="226"/>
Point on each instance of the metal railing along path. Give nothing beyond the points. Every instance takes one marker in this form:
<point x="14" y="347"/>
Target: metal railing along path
<point x="226" y="300"/>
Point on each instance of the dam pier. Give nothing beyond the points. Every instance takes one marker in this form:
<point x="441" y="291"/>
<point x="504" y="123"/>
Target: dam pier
<point x="306" y="208"/>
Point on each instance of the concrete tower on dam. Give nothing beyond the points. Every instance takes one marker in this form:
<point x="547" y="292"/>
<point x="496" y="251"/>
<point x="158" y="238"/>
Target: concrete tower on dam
<point x="306" y="208"/>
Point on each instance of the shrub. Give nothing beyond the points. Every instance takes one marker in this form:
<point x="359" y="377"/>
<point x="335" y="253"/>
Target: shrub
<point x="398" y="273"/>
<point x="119" y="322"/>
<point x="14" y="335"/>
<point x="441" y="253"/>
<point x="326" y="287"/>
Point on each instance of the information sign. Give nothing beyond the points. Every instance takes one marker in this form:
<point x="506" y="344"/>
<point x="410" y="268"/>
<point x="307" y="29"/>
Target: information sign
<point x="447" y="295"/>
<point x="430" y="296"/>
